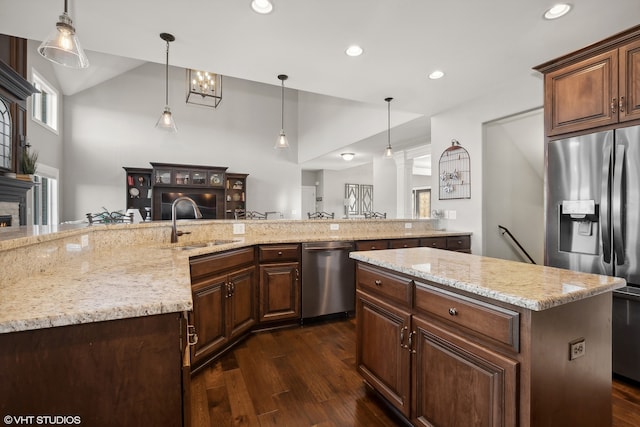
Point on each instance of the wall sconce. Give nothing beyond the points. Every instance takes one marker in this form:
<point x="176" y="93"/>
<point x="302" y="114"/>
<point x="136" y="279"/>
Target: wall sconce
<point x="204" y="88"/>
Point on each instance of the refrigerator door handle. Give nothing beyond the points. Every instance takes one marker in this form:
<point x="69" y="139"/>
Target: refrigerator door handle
<point x="617" y="204"/>
<point x="605" y="226"/>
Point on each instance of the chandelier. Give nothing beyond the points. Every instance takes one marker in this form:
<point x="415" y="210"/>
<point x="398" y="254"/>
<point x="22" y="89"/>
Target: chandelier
<point x="204" y="88"/>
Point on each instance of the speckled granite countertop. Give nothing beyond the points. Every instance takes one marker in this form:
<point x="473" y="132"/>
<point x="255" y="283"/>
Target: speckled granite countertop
<point x="76" y="274"/>
<point x="523" y="285"/>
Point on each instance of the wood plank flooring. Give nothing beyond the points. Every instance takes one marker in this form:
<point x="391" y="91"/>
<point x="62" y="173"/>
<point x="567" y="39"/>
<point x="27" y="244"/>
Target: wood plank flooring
<point x="306" y="376"/>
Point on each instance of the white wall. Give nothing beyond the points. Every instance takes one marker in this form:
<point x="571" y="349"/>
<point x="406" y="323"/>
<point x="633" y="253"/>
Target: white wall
<point x="514" y="186"/>
<point x="384" y="186"/>
<point x="465" y="123"/>
<point x="111" y="125"/>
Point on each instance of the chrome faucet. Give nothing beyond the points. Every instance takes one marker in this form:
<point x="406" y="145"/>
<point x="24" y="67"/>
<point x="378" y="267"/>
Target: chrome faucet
<point x="196" y="211"/>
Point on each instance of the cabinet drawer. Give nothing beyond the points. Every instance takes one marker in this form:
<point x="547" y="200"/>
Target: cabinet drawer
<point x="459" y="243"/>
<point x="396" y="288"/>
<point x="215" y="263"/>
<point x="372" y="245"/>
<point x="275" y="253"/>
<point x="434" y="242"/>
<point x="403" y="243"/>
<point x="490" y="321"/>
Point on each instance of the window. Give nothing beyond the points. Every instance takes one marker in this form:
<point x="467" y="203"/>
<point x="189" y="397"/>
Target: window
<point x="44" y="104"/>
<point x="5" y="136"/>
<point x="43" y="203"/>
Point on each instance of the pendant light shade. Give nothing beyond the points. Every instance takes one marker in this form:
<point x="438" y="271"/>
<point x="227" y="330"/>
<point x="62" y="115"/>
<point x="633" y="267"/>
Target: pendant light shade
<point x="388" y="152"/>
<point x="62" y="45"/>
<point x="282" y="141"/>
<point x="166" y="122"/>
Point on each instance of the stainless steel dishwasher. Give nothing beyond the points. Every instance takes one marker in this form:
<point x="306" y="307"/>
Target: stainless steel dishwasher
<point x="328" y="279"/>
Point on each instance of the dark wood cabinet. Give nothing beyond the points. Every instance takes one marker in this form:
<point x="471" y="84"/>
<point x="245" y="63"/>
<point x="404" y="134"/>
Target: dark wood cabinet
<point x="595" y="87"/>
<point x="381" y="357"/>
<point x="371" y="245"/>
<point x="224" y="302"/>
<point x="138" y="187"/>
<point x="279" y="298"/>
<point x="456" y="382"/>
<point x="461" y="243"/>
<point x="235" y="195"/>
<point x="629" y="82"/>
<point x="124" y="372"/>
<point x="408" y="350"/>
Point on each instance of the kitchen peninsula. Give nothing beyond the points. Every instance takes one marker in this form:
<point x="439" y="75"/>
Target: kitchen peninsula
<point x="459" y="339"/>
<point x="93" y="319"/>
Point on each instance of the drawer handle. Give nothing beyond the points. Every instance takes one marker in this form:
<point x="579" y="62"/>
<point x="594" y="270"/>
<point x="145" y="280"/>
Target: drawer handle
<point x="453" y="311"/>
<point x="378" y="282"/>
<point x="373" y="248"/>
<point x="402" y="345"/>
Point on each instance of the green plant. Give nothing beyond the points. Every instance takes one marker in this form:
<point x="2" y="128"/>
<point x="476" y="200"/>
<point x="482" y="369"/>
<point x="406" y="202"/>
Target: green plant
<point x="29" y="161"/>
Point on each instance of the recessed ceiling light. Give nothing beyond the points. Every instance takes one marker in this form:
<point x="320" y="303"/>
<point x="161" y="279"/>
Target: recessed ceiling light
<point x="557" y="11"/>
<point x="348" y="156"/>
<point x="262" y="7"/>
<point x="437" y="74"/>
<point x="354" y="50"/>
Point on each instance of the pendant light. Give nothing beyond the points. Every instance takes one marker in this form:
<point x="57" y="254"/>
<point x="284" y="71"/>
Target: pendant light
<point x="388" y="152"/>
<point x="281" y="142"/>
<point x="166" y="122"/>
<point x="62" y="45"/>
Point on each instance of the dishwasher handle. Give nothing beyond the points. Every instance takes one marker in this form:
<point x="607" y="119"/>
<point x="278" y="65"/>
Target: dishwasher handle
<point x="327" y="248"/>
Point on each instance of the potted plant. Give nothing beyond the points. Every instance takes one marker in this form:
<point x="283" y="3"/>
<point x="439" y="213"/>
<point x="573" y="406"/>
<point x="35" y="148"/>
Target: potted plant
<point x="29" y="162"/>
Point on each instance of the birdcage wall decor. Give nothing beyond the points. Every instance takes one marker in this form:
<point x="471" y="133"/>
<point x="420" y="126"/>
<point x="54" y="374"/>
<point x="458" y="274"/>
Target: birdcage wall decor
<point x="454" y="173"/>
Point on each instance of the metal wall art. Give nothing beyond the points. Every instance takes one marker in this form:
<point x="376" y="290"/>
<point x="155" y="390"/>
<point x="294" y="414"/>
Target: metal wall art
<point x="455" y="173"/>
<point x="358" y="199"/>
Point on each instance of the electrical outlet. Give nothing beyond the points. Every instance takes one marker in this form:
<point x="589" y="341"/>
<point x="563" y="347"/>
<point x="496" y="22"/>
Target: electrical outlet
<point x="577" y="348"/>
<point x="452" y="214"/>
<point x="334" y="227"/>
<point x="238" y="228"/>
<point x="408" y="225"/>
<point x="84" y="240"/>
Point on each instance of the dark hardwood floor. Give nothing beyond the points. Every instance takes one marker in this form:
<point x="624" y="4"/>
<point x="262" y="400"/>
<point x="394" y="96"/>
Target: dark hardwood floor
<point x="306" y="376"/>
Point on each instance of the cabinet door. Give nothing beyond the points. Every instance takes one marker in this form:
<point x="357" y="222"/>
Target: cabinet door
<point x="583" y="95"/>
<point x="279" y="291"/>
<point x="381" y="356"/>
<point x="241" y="302"/>
<point x="458" y="383"/>
<point x="209" y="316"/>
<point x="630" y="82"/>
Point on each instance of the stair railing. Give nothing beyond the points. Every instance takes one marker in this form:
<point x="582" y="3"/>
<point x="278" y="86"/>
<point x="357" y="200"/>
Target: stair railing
<point x="506" y="230"/>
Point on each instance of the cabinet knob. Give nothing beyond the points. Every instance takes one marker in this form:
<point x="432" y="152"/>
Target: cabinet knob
<point x="378" y="282"/>
<point x="279" y="253"/>
<point x="453" y="311"/>
<point x="373" y="248"/>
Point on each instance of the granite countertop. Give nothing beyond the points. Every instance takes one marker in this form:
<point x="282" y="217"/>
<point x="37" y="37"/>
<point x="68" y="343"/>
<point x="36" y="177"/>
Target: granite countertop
<point x="520" y="284"/>
<point x="50" y="278"/>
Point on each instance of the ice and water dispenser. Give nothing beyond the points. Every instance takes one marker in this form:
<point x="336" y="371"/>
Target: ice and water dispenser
<point x="579" y="227"/>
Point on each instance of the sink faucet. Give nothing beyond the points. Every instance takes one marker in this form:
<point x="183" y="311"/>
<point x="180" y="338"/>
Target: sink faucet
<point x="174" y="232"/>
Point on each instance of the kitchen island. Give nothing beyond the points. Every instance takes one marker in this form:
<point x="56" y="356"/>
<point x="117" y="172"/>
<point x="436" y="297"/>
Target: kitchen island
<point x="459" y="339"/>
<point x="93" y="320"/>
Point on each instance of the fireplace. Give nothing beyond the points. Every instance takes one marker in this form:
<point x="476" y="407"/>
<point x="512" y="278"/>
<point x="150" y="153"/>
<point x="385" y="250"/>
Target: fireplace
<point x="5" y="220"/>
<point x="13" y="199"/>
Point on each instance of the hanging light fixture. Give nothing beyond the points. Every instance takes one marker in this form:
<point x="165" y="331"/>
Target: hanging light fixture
<point x="388" y="152"/>
<point x="166" y="122"/>
<point x="282" y="142"/>
<point x="62" y="45"/>
<point x="204" y="88"/>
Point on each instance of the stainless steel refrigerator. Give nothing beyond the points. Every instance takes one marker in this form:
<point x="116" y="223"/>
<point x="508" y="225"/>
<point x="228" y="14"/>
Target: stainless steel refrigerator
<point x="593" y="223"/>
